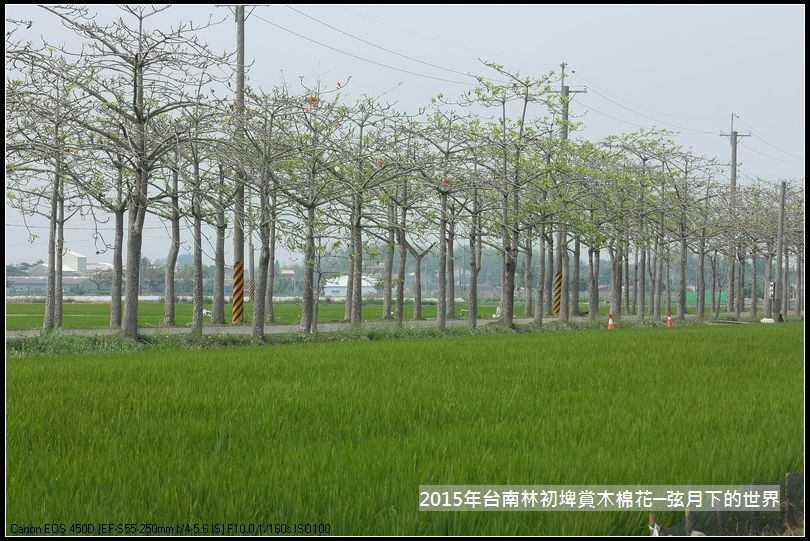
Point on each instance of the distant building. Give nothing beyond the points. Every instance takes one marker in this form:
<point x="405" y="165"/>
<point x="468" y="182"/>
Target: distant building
<point x="99" y="266"/>
<point x="74" y="261"/>
<point x="37" y="285"/>
<point x="336" y="287"/>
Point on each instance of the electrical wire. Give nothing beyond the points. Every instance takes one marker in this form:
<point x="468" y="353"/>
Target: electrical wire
<point x="362" y="58"/>
<point x="376" y="45"/>
<point x="769" y="156"/>
<point x="682" y="128"/>
<point x="437" y="40"/>
<point x="768" y="142"/>
<point x="594" y="85"/>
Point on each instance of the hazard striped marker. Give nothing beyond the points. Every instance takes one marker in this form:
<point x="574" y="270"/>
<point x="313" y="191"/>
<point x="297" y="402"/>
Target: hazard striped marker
<point x="557" y="293"/>
<point x="238" y="295"/>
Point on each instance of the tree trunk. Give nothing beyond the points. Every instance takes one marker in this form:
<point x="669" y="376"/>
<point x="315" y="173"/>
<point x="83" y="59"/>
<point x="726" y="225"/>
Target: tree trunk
<point x="799" y="281"/>
<point x="357" y="258"/>
<point x="218" y="308"/>
<point x="550" y="268"/>
<point x="616" y="281"/>
<point x="508" y="288"/>
<point x="715" y="306"/>
<point x="642" y="283"/>
<point x="389" y="262"/>
<point x="768" y="275"/>
<point x="785" y="287"/>
<point x="265" y="261"/>
<point x="651" y="264"/>
<point x="633" y="306"/>
<point x="197" y="291"/>
<point x="307" y="296"/>
<point x="668" y="280"/>
<point x="451" y="267"/>
<point x="593" y="283"/>
<point x="528" y="299"/>
<point x="417" y="288"/>
<point x="575" y="278"/>
<point x="347" y="308"/>
<point x="441" y="301"/>
<point x="701" y="278"/>
<point x="137" y="203"/>
<point x="137" y="213"/>
<point x="317" y="307"/>
<point x="626" y="275"/>
<point x="49" y="321"/>
<point x="403" y="259"/>
<point x="658" y="278"/>
<point x="541" y="278"/>
<point x="682" y="281"/>
<point x="475" y="269"/>
<point x="270" y="274"/>
<point x="739" y="306"/>
<point x="475" y="260"/>
<point x="118" y="269"/>
<point x="60" y="250"/>
<point x="754" y="303"/>
<point x="171" y="258"/>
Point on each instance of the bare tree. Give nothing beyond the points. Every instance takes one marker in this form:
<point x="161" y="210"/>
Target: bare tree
<point x="136" y="76"/>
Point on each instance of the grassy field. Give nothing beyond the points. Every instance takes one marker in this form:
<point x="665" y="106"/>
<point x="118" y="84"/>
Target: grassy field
<point x="92" y="315"/>
<point x="344" y="433"/>
<point x="97" y="315"/>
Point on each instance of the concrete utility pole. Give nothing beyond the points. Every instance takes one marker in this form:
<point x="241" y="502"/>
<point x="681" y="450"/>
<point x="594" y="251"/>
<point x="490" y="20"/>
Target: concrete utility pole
<point x="561" y="251"/>
<point x="238" y="294"/>
<point x="780" y="232"/>
<point x="734" y="137"/>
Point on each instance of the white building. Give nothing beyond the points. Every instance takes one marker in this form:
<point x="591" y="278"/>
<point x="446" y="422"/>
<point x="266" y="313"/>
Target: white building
<point x="74" y="261"/>
<point x="336" y="287"/>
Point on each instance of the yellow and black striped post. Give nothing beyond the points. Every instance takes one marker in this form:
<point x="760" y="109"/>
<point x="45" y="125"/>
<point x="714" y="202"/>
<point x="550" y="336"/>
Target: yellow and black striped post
<point x="238" y="295"/>
<point x="557" y="292"/>
<point x="251" y="290"/>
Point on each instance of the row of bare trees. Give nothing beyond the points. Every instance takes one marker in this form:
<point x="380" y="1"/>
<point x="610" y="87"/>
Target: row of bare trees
<point x="136" y="121"/>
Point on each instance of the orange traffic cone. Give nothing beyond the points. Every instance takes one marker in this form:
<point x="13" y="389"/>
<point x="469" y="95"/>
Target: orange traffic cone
<point x="611" y="325"/>
<point x="669" y="321"/>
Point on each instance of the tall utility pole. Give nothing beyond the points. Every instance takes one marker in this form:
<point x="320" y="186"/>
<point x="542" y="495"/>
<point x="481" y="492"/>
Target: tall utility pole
<point x="238" y="295"/>
<point x="561" y="251"/>
<point x="734" y="137"/>
<point x="780" y="282"/>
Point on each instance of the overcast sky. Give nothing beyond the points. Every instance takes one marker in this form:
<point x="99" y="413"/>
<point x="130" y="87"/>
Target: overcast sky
<point x="685" y="68"/>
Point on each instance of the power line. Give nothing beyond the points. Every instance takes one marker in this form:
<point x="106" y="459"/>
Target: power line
<point x="591" y="83"/>
<point x="612" y="117"/>
<point x="776" y="147"/>
<point x="696" y="132"/>
<point x="770" y="143"/>
<point x="771" y="157"/>
<point x="437" y="40"/>
<point x="376" y="45"/>
<point x="362" y="58"/>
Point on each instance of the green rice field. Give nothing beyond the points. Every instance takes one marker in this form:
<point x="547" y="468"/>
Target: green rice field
<point x="344" y="433"/>
<point x="150" y="314"/>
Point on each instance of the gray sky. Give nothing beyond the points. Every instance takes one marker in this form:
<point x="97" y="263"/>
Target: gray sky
<point x="684" y="68"/>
